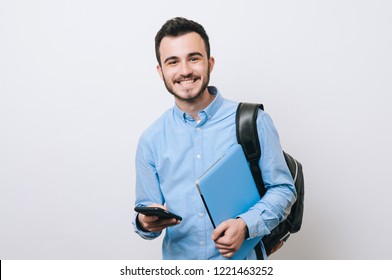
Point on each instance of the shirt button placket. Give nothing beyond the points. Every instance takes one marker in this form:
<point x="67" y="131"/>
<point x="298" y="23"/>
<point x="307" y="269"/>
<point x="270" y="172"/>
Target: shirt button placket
<point x="198" y="150"/>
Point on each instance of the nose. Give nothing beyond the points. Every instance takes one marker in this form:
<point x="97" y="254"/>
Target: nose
<point x="185" y="69"/>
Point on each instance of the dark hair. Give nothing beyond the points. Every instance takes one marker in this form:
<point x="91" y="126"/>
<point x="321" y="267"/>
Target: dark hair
<point x="180" y="26"/>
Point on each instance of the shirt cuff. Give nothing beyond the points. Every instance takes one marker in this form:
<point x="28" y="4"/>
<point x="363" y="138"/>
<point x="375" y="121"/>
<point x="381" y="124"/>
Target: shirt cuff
<point x="142" y="231"/>
<point x="255" y="224"/>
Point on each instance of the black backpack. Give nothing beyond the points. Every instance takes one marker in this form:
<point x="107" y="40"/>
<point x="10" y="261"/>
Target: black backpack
<point x="248" y="138"/>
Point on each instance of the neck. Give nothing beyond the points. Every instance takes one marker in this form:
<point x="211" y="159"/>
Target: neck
<point x="195" y="106"/>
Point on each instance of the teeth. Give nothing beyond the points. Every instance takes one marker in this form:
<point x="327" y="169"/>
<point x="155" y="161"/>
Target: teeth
<point x="187" y="82"/>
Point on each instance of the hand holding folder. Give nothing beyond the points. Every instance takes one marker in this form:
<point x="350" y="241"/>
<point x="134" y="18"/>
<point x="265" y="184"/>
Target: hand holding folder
<point x="229" y="236"/>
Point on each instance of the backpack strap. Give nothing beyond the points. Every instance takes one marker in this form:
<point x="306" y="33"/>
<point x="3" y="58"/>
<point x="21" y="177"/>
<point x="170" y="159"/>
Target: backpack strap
<point x="247" y="137"/>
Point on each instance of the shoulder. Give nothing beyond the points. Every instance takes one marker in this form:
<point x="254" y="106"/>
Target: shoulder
<point x="264" y="119"/>
<point x="227" y="108"/>
<point x="230" y="105"/>
<point x="157" y="128"/>
<point x="266" y="128"/>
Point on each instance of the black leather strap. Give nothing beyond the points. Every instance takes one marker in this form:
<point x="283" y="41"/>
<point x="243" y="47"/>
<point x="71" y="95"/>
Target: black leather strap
<point x="247" y="136"/>
<point x="259" y="253"/>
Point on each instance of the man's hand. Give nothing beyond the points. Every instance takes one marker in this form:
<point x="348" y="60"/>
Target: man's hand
<point x="154" y="223"/>
<point x="229" y="236"/>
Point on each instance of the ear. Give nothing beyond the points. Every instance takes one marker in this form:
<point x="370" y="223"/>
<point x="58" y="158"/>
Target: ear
<point x="211" y="63"/>
<point x="159" y="70"/>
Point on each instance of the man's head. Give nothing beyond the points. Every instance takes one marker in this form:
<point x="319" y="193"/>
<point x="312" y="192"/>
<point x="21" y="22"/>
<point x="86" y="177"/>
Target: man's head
<point x="179" y="26"/>
<point x="184" y="61"/>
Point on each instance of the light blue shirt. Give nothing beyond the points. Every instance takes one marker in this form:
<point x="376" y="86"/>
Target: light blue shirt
<point x="176" y="150"/>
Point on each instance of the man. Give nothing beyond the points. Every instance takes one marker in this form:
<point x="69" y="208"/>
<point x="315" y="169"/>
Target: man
<point x="186" y="141"/>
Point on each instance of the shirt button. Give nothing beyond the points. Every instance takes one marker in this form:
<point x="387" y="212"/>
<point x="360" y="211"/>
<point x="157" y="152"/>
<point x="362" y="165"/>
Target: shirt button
<point x="201" y="243"/>
<point x="198" y="128"/>
<point x="198" y="156"/>
<point x="201" y="215"/>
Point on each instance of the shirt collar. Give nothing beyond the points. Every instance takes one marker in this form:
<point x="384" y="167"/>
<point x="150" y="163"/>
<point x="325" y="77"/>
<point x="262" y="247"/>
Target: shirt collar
<point x="204" y="114"/>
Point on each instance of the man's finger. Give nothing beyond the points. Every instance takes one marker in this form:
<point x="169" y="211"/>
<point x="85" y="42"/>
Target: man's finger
<point x="150" y="219"/>
<point x="219" y="231"/>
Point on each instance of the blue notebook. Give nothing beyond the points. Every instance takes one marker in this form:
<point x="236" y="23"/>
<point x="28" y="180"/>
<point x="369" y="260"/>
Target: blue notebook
<point x="227" y="189"/>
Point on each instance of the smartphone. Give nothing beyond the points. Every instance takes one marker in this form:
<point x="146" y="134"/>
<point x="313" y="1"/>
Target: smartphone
<point x="157" y="211"/>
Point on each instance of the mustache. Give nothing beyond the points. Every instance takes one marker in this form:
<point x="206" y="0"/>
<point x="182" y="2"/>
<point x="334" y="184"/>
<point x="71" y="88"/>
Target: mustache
<point x="187" y="77"/>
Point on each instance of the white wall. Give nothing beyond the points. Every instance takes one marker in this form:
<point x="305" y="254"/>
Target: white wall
<point x="78" y="86"/>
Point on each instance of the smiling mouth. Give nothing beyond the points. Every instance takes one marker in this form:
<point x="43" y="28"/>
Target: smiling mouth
<point x="187" y="82"/>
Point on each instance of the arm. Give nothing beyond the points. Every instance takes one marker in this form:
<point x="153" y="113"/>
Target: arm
<point x="273" y="207"/>
<point x="147" y="192"/>
<point x="281" y="195"/>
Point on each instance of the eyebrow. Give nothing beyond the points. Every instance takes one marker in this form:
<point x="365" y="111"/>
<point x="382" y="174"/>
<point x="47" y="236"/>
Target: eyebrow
<point x="195" y="54"/>
<point x="189" y="55"/>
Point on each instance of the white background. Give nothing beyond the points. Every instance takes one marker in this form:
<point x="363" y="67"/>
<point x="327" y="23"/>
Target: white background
<point x="78" y="86"/>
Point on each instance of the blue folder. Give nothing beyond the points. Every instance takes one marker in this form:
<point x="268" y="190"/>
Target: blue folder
<point x="227" y="189"/>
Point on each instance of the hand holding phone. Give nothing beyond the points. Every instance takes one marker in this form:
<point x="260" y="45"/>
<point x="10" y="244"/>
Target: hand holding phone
<point x="157" y="211"/>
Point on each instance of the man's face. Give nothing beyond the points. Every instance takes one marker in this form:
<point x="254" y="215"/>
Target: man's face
<point x="185" y="68"/>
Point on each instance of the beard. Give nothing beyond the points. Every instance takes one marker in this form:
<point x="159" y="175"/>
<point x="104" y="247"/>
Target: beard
<point x="193" y="98"/>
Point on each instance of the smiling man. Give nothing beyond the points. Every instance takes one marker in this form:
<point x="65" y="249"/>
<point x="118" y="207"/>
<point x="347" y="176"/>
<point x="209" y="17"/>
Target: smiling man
<point x="188" y="138"/>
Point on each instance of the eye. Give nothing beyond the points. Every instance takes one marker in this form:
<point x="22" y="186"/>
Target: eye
<point x="193" y="59"/>
<point x="172" y="62"/>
